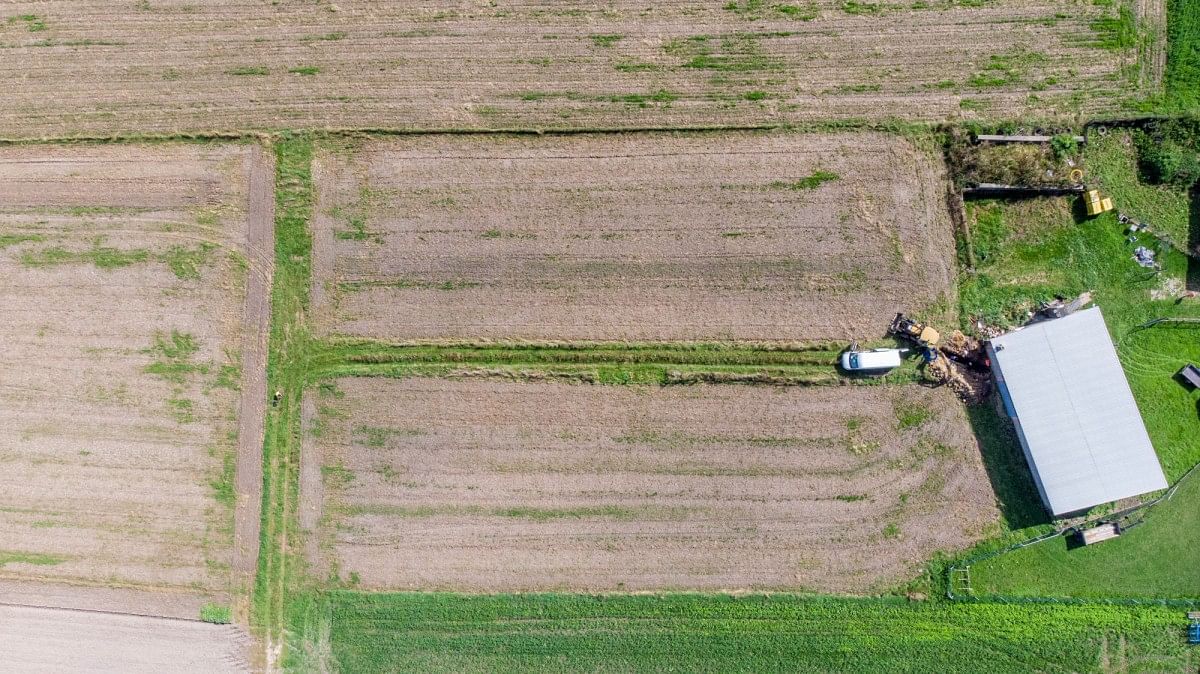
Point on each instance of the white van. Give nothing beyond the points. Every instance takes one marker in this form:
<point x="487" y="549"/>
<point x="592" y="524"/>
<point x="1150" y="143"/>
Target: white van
<point x="874" y="360"/>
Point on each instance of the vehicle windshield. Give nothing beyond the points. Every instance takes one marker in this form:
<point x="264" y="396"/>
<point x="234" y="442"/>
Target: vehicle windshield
<point x="853" y="360"/>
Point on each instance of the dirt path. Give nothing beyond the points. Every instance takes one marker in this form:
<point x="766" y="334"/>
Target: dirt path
<point x="251" y="416"/>
<point x="53" y="641"/>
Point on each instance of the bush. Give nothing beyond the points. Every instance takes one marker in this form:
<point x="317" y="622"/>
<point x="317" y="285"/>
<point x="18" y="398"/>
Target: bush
<point x="1170" y="154"/>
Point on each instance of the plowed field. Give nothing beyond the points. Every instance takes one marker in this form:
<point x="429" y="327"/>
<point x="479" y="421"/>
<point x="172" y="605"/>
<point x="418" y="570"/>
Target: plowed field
<point x="651" y="237"/>
<point x="124" y="275"/>
<point x="499" y="486"/>
<point x="98" y="67"/>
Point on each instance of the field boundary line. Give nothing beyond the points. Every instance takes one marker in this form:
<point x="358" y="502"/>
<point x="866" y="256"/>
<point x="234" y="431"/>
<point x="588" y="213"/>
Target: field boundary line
<point x="110" y="612"/>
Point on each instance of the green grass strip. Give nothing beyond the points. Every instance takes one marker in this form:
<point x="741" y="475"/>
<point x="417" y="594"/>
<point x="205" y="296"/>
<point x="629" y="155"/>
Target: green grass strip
<point x="286" y="366"/>
<point x="439" y="632"/>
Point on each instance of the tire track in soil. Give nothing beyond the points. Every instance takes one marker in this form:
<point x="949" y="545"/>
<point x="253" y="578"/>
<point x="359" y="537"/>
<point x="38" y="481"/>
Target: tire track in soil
<point x="252" y="407"/>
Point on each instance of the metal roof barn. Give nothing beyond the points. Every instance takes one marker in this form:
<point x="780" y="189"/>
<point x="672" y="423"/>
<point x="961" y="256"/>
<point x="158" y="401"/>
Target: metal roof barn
<point x="1075" y="415"/>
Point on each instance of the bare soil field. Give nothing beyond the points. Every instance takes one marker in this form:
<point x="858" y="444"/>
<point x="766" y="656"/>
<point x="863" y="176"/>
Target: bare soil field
<point x="171" y="66"/>
<point x="49" y="641"/>
<point x="503" y="486"/>
<point x="124" y="277"/>
<point x="736" y="236"/>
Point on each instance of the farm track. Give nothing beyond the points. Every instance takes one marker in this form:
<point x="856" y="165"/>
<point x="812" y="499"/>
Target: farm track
<point x="252" y="407"/>
<point x="167" y="67"/>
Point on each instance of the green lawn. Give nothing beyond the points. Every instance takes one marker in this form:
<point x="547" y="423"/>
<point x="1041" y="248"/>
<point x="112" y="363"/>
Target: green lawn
<point x="1111" y="165"/>
<point x="719" y="633"/>
<point x="1154" y="559"/>
<point x="1038" y="250"/>
<point x="1032" y="250"/>
<point x="1183" y="56"/>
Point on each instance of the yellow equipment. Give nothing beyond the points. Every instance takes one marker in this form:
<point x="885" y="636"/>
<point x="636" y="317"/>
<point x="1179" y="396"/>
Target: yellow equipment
<point x="1097" y="204"/>
<point x="923" y="335"/>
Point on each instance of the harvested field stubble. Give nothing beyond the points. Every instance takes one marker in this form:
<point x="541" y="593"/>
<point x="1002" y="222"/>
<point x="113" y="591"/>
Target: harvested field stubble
<point x="498" y="486"/>
<point x="744" y="236"/>
<point x="168" y="66"/>
<point x="123" y="272"/>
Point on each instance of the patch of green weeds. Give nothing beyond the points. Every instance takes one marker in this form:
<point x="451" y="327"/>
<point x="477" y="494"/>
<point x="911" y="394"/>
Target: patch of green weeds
<point x="376" y="437"/>
<point x="741" y="52"/>
<point x="249" y="71"/>
<point x="1118" y="32"/>
<point x="33" y="22"/>
<point x="7" y="240"/>
<point x="337" y="477"/>
<point x="216" y="613"/>
<point x="910" y="414"/>
<point x="223" y="484"/>
<point x="1008" y="68"/>
<point x="183" y="410"/>
<point x="304" y="70"/>
<point x="38" y="559"/>
<point x="185" y="262"/>
<point x="809" y="182"/>
<point x="860" y="8"/>
<point x="606" y="41"/>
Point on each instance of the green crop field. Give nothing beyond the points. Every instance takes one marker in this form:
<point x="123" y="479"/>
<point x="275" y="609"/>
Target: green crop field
<point x="721" y="633"/>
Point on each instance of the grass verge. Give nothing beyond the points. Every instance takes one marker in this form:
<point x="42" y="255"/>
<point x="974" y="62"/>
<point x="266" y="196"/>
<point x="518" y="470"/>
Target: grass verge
<point x="278" y="568"/>
<point x="1183" y="56"/>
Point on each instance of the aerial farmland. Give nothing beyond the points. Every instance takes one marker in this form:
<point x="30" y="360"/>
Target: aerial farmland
<point x="126" y="279"/>
<point x="598" y="337"/>
<point x="629" y="238"/>
<point x="167" y="66"/>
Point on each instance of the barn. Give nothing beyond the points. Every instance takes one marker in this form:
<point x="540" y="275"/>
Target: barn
<point x="1074" y="412"/>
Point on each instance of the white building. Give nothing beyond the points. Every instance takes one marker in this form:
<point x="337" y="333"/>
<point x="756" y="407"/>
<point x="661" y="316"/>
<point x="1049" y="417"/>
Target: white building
<point x="1076" y="417"/>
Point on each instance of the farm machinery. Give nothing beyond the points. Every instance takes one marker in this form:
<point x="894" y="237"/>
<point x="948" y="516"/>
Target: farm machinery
<point x="958" y="361"/>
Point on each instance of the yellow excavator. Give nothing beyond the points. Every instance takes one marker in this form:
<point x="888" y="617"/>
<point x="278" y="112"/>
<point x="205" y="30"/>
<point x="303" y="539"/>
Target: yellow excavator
<point x="918" y="333"/>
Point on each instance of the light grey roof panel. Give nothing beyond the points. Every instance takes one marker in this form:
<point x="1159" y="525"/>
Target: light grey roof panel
<point x="1077" y="413"/>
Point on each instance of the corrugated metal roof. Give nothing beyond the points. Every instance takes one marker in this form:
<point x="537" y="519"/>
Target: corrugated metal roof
<point x="1080" y="427"/>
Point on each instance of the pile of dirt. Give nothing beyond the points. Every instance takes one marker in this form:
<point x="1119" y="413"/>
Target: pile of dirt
<point x="971" y="386"/>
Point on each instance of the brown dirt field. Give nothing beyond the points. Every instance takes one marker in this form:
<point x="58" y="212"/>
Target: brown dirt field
<point x="501" y="486"/>
<point x="113" y="432"/>
<point x="647" y="237"/>
<point x="50" y="641"/>
<point x="170" y="66"/>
